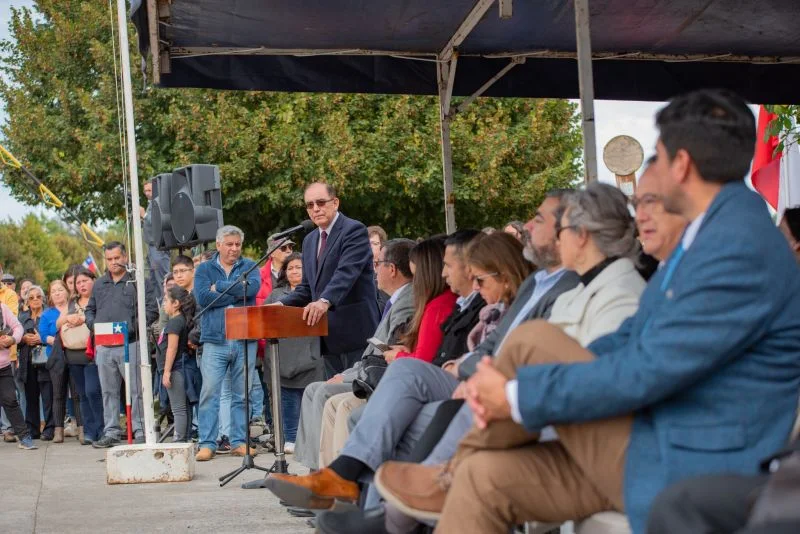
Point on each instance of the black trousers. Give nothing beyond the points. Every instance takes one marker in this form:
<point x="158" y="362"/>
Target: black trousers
<point x="713" y="504"/>
<point x="8" y="400"/>
<point x="38" y="384"/>
<point x="336" y="363"/>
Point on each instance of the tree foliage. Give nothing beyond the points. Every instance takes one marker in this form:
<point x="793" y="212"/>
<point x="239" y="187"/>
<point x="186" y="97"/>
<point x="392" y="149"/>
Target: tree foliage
<point x="38" y="248"/>
<point x="382" y="152"/>
<point x="786" y="124"/>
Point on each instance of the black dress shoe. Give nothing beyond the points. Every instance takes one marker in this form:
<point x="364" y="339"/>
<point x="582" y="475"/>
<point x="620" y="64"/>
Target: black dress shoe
<point x="363" y="522"/>
<point x="296" y="511"/>
<point x="46" y="437"/>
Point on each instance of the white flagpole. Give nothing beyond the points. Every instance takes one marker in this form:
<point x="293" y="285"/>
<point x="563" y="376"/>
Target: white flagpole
<point x="138" y="248"/>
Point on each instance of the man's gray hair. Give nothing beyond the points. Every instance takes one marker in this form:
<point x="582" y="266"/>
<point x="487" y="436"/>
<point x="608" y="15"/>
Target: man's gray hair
<point x="602" y="211"/>
<point x="227" y="230"/>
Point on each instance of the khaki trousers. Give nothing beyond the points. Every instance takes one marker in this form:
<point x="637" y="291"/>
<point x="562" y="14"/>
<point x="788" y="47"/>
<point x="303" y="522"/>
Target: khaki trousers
<point x="503" y="477"/>
<point x="334" y="425"/>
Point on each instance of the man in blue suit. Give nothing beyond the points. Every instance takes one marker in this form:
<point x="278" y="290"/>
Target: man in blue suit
<point x="703" y="379"/>
<point x="338" y="280"/>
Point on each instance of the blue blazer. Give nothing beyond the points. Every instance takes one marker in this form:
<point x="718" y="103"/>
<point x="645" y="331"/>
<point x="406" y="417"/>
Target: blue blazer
<point x="344" y="276"/>
<point x="709" y="365"/>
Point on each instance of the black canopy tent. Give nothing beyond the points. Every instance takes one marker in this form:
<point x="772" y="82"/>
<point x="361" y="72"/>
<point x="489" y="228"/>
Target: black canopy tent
<point x="642" y="50"/>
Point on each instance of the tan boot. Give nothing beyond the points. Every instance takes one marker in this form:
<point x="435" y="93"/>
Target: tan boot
<point x="204" y="455"/>
<point x="81" y="436"/>
<point x="58" y="437"/>
<point x="240" y="451"/>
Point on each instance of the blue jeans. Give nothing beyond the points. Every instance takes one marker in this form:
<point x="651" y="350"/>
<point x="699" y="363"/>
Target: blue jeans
<point x="290" y="411"/>
<point x="225" y="407"/>
<point x="217" y="360"/>
<point x="256" y="397"/>
<point x="91" y="399"/>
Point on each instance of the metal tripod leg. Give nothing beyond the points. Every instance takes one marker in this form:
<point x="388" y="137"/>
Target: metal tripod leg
<point x="280" y="465"/>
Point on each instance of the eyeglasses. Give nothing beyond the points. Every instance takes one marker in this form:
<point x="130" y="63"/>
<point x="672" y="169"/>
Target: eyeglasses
<point x="378" y="262"/>
<point x="562" y="228"/>
<point x="176" y="272"/>
<point x="318" y="203"/>
<point x="286" y="248"/>
<point x="35" y="297"/>
<point x="647" y="201"/>
<point x="482" y="278"/>
<point x="9" y="283"/>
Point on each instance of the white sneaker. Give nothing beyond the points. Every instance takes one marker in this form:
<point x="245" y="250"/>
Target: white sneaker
<point x="288" y="447"/>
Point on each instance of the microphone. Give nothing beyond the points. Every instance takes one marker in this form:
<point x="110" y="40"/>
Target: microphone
<point x="305" y="226"/>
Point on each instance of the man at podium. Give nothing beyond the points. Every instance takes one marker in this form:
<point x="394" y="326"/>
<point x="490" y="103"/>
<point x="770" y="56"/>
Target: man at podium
<point x="338" y="280"/>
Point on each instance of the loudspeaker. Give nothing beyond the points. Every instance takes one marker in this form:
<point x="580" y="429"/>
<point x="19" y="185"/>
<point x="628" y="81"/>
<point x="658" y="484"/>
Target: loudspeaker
<point x="195" y="207"/>
<point x="160" y="215"/>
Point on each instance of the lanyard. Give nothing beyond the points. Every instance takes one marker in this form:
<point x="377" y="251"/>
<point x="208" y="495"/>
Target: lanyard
<point x="671" y="266"/>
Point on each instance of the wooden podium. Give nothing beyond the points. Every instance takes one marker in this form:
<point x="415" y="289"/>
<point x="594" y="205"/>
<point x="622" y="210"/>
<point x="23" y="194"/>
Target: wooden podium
<point x="272" y="323"/>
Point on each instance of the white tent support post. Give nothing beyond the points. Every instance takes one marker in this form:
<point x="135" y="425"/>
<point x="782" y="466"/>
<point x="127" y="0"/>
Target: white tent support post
<point x="586" y="83"/>
<point x="139" y="258"/>
<point x="444" y="75"/>
<point x="445" y="79"/>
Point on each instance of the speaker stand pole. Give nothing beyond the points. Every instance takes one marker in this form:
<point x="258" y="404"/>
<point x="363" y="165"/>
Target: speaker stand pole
<point x="247" y="461"/>
<point x="280" y="465"/>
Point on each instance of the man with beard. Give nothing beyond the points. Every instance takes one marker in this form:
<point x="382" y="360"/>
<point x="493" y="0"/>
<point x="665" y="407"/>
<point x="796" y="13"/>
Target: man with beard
<point x="416" y="388"/>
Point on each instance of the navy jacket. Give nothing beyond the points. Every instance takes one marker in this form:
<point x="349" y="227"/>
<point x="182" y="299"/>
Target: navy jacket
<point x="212" y="323"/>
<point x="345" y="277"/>
<point x="709" y="365"/>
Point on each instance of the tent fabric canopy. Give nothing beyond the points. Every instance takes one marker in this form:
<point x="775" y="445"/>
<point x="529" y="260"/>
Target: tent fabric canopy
<point x="643" y="50"/>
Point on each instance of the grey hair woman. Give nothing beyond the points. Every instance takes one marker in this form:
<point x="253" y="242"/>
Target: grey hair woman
<point x="597" y="239"/>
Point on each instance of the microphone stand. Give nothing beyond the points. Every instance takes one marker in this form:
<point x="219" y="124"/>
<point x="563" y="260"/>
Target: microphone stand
<point x="247" y="461"/>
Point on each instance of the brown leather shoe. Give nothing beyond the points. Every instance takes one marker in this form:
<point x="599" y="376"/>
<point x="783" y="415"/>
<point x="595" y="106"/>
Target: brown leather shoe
<point x="239" y="451"/>
<point x="204" y="455"/>
<point x="416" y="490"/>
<point x="317" y="491"/>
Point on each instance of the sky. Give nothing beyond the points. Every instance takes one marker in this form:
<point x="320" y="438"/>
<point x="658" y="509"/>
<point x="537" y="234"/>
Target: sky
<point x="612" y="118"/>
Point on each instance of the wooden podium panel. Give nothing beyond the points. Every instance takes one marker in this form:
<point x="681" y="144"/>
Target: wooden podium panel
<point x="270" y="322"/>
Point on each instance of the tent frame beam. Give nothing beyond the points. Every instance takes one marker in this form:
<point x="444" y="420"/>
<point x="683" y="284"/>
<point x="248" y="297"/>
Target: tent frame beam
<point x="586" y="87"/>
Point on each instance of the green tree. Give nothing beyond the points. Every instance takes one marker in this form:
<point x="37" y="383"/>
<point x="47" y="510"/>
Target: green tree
<point x="381" y="151"/>
<point x="39" y="248"/>
<point x="786" y="124"/>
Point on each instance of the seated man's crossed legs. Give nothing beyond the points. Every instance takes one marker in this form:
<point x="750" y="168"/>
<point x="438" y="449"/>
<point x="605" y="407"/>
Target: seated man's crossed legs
<point x="391" y="423"/>
<point x="501" y="475"/>
<point x="316" y="394"/>
<point x="335" y="430"/>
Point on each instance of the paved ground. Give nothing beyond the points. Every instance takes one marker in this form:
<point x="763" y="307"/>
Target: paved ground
<point x="62" y="488"/>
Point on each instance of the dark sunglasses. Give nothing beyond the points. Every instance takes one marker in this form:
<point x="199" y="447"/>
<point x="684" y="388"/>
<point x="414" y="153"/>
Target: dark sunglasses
<point x="480" y="279"/>
<point x="286" y="248"/>
<point x="9" y="283"/>
<point x="318" y="203"/>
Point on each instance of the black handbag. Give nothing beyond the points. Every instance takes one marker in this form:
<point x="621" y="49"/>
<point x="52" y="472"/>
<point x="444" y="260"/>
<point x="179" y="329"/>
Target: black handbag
<point x="369" y="375"/>
<point x="777" y="502"/>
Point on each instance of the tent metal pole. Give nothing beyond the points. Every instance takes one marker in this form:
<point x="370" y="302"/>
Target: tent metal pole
<point x="485" y="87"/>
<point x="445" y="75"/>
<point x="586" y="84"/>
<point x="139" y="259"/>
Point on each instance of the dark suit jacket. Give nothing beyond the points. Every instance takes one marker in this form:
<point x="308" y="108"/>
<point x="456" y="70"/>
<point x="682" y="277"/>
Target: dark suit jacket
<point x="456" y="329"/>
<point x="541" y="311"/>
<point x="345" y="277"/>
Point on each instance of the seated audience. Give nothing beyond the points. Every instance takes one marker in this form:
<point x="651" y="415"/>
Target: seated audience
<point x="387" y="425"/>
<point x="301" y="361"/>
<point x="455" y="331"/>
<point x="702" y="379"/>
<point x="394" y="277"/>
<point x="377" y="237"/>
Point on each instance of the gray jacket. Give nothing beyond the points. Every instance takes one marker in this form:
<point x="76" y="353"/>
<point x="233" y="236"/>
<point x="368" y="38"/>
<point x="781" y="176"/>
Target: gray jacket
<point x="541" y="311"/>
<point x="300" y="359"/>
<point x="401" y="311"/>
